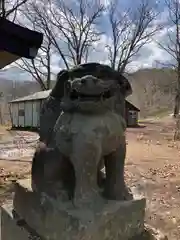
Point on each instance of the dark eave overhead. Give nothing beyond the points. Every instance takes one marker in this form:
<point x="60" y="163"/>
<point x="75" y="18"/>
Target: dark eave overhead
<point x="16" y="42"/>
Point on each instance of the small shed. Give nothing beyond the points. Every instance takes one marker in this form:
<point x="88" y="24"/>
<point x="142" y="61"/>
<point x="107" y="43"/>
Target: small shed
<point x="131" y="114"/>
<point x="25" y="111"/>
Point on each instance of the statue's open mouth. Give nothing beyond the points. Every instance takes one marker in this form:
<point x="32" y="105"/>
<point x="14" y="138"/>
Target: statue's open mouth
<point x="75" y="95"/>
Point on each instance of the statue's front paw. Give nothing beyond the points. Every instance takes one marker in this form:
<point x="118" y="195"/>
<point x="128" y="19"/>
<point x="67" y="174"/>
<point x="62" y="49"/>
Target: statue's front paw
<point x="127" y="194"/>
<point x="120" y="194"/>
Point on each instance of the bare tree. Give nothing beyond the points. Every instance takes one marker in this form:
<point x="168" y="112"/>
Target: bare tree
<point x="43" y="19"/>
<point x="172" y="47"/>
<point x="131" y="30"/>
<point x="76" y="27"/>
<point x="39" y="68"/>
<point x="69" y="32"/>
<point x="9" y="8"/>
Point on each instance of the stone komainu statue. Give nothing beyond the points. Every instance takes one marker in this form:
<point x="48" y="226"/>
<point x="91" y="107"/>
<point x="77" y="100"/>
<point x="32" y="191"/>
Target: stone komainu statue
<point x="51" y="108"/>
<point x="82" y="122"/>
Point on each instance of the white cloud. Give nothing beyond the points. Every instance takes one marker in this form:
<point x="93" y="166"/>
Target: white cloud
<point x="148" y="55"/>
<point x="151" y="53"/>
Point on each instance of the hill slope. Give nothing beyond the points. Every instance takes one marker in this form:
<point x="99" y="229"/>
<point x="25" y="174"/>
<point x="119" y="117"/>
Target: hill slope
<point x="153" y="91"/>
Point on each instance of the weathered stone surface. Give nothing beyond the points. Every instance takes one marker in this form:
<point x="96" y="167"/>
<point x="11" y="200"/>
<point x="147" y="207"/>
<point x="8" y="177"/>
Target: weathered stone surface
<point x="106" y="220"/>
<point x="9" y="228"/>
<point x="88" y="130"/>
<point x="50" y="111"/>
<point x="107" y="130"/>
<point x="92" y="100"/>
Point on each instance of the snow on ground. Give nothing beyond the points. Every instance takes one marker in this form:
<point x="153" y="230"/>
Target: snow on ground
<point x="20" y="145"/>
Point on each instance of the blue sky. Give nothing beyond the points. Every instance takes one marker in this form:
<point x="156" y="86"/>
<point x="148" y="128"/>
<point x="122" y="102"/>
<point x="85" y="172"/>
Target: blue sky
<point x="146" y="58"/>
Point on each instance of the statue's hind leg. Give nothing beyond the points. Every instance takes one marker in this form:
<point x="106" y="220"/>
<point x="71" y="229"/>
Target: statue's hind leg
<point x="115" y="187"/>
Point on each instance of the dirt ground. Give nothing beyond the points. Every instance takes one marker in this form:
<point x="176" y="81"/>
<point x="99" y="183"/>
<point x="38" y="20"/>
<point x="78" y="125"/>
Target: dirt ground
<point x="16" y="151"/>
<point x="152" y="170"/>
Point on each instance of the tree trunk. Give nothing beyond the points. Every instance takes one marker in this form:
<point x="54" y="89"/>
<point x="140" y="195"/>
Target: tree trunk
<point x="177" y="129"/>
<point x="2" y="8"/>
<point x="49" y="65"/>
<point x="1" y="115"/>
<point x="177" y="106"/>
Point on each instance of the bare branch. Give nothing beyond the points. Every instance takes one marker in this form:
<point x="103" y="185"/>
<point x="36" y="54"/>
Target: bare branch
<point x="172" y="47"/>
<point x="130" y="32"/>
<point x="7" y="8"/>
<point x="77" y="27"/>
<point x="40" y="67"/>
<point x="69" y="32"/>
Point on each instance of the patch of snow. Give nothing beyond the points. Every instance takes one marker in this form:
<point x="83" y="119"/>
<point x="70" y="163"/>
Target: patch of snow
<point x="15" y="153"/>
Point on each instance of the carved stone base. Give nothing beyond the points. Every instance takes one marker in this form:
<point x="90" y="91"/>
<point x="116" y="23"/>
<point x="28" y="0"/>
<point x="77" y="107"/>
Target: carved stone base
<point x="55" y="220"/>
<point x="13" y="228"/>
<point x="9" y="228"/>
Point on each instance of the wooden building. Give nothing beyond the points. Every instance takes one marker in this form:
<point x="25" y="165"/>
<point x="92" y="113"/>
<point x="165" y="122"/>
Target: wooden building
<point x="131" y="114"/>
<point x="25" y="111"/>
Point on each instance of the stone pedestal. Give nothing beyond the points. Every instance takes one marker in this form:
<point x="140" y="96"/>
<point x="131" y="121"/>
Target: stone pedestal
<point x="9" y="227"/>
<point x="51" y="219"/>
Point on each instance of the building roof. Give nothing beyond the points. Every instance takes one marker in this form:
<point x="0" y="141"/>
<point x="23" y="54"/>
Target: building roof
<point x="131" y="106"/>
<point x="16" y="42"/>
<point x="44" y="94"/>
<point x="35" y="96"/>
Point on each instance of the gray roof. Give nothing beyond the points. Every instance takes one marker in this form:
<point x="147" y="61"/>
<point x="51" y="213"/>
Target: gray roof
<point x="34" y="96"/>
